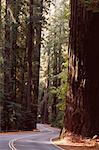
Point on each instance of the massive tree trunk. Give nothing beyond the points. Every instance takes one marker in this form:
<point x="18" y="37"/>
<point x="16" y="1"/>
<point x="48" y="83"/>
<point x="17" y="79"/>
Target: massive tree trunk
<point x="82" y="105"/>
<point x="7" y="72"/>
<point x="33" y="48"/>
<point x="30" y="46"/>
<point x="45" y="96"/>
<point x="36" y="57"/>
<point x="13" y="51"/>
<point x="15" y="8"/>
<point x="9" y="56"/>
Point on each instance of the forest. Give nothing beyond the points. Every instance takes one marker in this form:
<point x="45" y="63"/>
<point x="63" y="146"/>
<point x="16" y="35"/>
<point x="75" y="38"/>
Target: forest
<point x="49" y="65"/>
<point x="33" y="56"/>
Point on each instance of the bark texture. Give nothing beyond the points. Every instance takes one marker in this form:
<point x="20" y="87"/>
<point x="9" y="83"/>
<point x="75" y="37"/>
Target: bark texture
<point x="82" y="105"/>
<point x="6" y="123"/>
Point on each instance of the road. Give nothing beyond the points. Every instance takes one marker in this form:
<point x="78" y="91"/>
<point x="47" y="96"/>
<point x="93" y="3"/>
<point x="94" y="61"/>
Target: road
<point x="30" y="140"/>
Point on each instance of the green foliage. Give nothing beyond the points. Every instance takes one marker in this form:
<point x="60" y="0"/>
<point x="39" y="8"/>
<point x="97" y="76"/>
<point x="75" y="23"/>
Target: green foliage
<point x="61" y="95"/>
<point x="63" y="77"/>
<point x="61" y="90"/>
<point x="58" y="121"/>
<point x="53" y="90"/>
<point x="56" y="41"/>
<point x="87" y="2"/>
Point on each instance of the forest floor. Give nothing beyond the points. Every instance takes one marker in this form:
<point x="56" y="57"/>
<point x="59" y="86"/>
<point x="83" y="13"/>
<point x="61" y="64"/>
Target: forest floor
<point x="73" y="142"/>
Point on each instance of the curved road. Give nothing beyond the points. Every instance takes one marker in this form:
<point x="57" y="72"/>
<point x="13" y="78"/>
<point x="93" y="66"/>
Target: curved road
<point x="30" y="140"/>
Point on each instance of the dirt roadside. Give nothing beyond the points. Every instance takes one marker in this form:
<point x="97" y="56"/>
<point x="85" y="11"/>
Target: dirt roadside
<point x="73" y="142"/>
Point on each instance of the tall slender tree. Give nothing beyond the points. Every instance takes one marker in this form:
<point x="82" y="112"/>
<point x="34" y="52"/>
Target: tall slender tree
<point x="36" y="56"/>
<point x="7" y="71"/>
<point x="30" y="46"/>
<point x="54" y="111"/>
<point x="45" y="114"/>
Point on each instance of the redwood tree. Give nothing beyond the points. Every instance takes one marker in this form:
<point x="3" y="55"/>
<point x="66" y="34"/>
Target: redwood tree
<point x="6" y="125"/>
<point x="36" y="57"/>
<point x="34" y="46"/>
<point x="82" y="105"/>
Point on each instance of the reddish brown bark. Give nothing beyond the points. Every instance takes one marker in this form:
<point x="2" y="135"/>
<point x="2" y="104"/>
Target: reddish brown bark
<point x="81" y="115"/>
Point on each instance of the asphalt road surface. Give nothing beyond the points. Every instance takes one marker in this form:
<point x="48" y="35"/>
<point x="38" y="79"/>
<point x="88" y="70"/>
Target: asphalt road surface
<point x="30" y="140"/>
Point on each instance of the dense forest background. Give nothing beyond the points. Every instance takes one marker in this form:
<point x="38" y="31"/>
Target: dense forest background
<point x="28" y="30"/>
<point x="54" y="64"/>
<point x="20" y="43"/>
